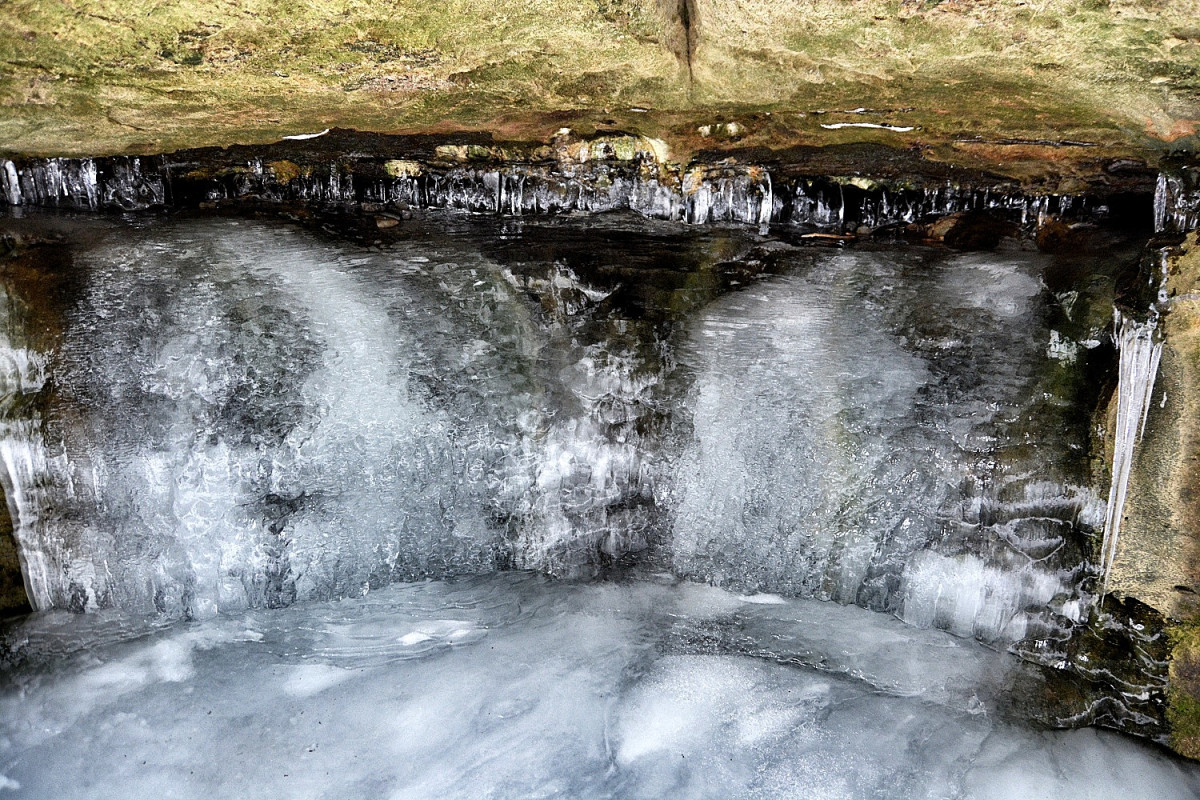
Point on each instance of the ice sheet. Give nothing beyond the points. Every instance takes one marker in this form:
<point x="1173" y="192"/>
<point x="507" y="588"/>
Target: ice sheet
<point x="515" y="686"/>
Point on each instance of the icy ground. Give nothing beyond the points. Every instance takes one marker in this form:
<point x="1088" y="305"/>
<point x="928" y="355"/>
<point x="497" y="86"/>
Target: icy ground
<point x="514" y="686"/>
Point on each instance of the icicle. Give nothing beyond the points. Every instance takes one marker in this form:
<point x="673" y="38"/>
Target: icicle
<point x="767" y="207"/>
<point x="1160" y="203"/>
<point x="24" y="469"/>
<point x="12" y="184"/>
<point x="1140" y="350"/>
<point x="1164" y="272"/>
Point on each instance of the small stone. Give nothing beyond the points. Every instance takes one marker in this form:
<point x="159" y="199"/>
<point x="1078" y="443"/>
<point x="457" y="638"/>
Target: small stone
<point x="383" y="223"/>
<point x="404" y="168"/>
<point x="965" y="230"/>
<point x="1056" y="236"/>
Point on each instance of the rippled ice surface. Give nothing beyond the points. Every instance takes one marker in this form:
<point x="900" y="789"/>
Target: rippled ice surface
<point x="513" y="686"/>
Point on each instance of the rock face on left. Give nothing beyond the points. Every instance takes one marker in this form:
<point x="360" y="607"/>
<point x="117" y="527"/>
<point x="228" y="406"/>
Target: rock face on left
<point x="12" y="587"/>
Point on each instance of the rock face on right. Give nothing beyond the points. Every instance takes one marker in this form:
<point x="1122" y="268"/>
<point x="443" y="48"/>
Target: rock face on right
<point x="1158" y="556"/>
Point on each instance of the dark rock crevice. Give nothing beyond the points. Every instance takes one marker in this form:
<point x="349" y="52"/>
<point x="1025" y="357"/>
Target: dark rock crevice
<point x="682" y="21"/>
<point x="13" y="599"/>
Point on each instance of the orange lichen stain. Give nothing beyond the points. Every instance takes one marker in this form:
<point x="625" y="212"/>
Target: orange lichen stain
<point x="1177" y="129"/>
<point x="1182" y="128"/>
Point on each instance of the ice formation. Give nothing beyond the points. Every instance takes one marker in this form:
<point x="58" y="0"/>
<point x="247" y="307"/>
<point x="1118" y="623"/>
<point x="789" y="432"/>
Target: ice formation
<point x="512" y="686"/>
<point x="296" y="482"/>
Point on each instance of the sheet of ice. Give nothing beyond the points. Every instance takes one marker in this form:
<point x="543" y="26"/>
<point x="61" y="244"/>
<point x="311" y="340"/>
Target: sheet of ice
<point x="515" y="686"/>
<point x="245" y="416"/>
<point x="858" y="436"/>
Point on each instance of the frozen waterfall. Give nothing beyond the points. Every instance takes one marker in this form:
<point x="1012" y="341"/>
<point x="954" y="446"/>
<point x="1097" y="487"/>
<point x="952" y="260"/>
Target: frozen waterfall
<point x="602" y="508"/>
<point x="243" y="416"/>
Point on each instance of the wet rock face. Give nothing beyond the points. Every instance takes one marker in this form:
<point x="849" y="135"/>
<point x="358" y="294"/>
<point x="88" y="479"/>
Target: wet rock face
<point x="1158" y="560"/>
<point x="12" y="585"/>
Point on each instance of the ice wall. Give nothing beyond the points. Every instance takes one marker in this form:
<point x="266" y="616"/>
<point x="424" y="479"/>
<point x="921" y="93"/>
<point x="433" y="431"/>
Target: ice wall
<point x="858" y="436"/>
<point x="242" y="415"/>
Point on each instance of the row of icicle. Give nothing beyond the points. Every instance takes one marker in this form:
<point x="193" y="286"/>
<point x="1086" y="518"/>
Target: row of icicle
<point x="721" y="193"/>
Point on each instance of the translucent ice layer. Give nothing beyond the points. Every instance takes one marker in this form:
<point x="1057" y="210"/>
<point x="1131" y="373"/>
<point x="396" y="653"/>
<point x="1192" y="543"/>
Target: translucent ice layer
<point x="514" y="686"/>
<point x="243" y="415"/>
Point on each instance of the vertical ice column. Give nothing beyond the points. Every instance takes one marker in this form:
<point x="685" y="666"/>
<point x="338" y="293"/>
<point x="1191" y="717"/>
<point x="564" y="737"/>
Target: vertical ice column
<point x="23" y="466"/>
<point x="1177" y="202"/>
<point x="767" y="208"/>
<point x="23" y="462"/>
<point x="1140" y="348"/>
<point x="1161" y="190"/>
<point x="12" y="183"/>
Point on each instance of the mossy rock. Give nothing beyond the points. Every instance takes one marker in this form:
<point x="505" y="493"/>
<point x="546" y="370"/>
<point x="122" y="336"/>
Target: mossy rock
<point x="284" y="171"/>
<point x="99" y="77"/>
<point x="1183" y="710"/>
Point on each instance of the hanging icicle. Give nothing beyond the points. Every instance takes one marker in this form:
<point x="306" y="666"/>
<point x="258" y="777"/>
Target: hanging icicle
<point x="1140" y="347"/>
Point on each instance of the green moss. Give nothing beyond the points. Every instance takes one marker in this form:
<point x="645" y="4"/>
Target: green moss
<point x="285" y="171"/>
<point x="103" y="76"/>
<point x="1183" y="697"/>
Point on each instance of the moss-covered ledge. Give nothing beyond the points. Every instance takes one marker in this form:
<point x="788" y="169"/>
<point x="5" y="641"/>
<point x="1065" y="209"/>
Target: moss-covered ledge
<point x="1025" y="89"/>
